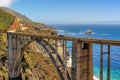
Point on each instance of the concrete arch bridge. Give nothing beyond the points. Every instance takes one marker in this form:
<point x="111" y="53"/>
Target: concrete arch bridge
<point x="79" y="48"/>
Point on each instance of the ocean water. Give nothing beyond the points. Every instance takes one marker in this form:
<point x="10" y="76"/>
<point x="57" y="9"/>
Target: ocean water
<point x="110" y="32"/>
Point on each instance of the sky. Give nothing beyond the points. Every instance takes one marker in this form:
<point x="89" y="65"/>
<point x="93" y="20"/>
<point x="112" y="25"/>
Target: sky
<point x="67" y="11"/>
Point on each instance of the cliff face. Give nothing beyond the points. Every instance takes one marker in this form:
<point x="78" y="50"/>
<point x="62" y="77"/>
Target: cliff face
<point x="36" y="65"/>
<point x="15" y="25"/>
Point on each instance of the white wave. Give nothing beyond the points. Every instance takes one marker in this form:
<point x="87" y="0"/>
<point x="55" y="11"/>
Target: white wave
<point x="95" y="78"/>
<point x="84" y="33"/>
<point x="94" y="33"/>
<point x="72" y="34"/>
<point x="67" y="33"/>
<point x="61" y="32"/>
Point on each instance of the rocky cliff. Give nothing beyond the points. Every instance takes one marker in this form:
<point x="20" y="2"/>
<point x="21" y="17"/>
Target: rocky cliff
<point x="36" y="65"/>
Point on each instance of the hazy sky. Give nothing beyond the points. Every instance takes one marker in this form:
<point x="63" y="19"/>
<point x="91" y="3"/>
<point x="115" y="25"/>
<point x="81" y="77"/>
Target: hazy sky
<point x="66" y="11"/>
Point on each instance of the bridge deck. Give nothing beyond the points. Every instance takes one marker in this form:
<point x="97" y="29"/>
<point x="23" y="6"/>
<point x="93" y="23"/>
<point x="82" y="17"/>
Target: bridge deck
<point x="87" y="40"/>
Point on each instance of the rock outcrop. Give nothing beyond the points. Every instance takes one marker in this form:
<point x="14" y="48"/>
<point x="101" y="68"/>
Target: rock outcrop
<point x="88" y="31"/>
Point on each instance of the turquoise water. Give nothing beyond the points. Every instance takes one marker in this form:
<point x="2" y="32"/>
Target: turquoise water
<point x="100" y="32"/>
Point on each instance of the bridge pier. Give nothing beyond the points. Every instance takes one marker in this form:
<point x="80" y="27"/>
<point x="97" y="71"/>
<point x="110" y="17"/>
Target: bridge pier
<point x="82" y="68"/>
<point x="13" y="58"/>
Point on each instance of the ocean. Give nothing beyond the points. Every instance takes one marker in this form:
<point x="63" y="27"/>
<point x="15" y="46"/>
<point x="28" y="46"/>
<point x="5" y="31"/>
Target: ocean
<point x="109" y="32"/>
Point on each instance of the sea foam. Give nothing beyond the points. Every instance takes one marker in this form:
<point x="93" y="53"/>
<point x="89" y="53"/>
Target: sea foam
<point x="95" y="78"/>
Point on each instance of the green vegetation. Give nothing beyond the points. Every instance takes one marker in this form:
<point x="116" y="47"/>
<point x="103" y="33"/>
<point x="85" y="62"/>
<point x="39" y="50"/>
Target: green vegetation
<point x="6" y="20"/>
<point x="3" y="45"/>
<point x="3" y="57"/>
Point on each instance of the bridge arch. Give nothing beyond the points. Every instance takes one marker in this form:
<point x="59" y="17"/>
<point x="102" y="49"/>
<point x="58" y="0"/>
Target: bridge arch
<point x="16" y="68"/>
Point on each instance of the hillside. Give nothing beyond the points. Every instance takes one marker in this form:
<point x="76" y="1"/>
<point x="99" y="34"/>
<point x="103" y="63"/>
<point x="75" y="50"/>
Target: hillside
<point x="34" y="63"/>
<point x="6" y="20"/>
<point x="23" y="19"/>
